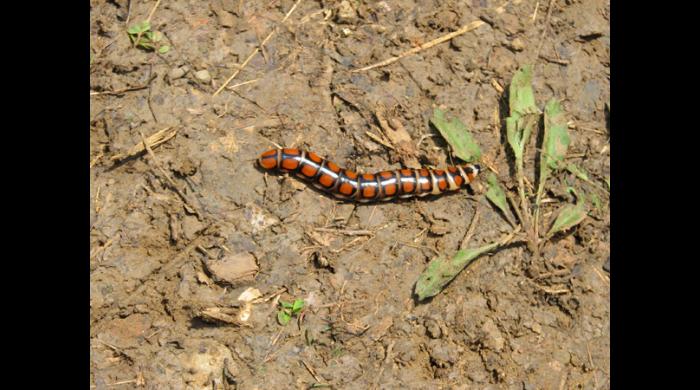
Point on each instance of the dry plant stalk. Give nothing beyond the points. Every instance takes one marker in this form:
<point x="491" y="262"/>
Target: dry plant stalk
<point x="153" y="140"/>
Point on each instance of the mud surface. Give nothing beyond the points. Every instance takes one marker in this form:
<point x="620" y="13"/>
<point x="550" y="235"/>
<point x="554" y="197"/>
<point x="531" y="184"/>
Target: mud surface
<point x="162" y="253"/>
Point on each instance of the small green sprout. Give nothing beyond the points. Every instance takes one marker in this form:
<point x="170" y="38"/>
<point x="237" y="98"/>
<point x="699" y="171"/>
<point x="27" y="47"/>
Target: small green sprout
<point x="289" y="310"/>
<point x="142" y="36"/>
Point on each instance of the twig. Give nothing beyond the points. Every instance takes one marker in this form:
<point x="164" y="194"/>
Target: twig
<point x="346" y="232"/>
<point x="546" y="26"/>
<point x="469" y="27"/>
<point x="241" y="84"/>
<point x="311" y="371"/>
<point x="256" y="50"/>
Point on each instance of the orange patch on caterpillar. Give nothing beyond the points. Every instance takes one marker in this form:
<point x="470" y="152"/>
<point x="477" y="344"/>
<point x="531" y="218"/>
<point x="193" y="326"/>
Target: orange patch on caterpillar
<point x="425" y="185"/>
<point x="368" y="177"/>
<point x="326" y="180"/>
<point x="424" y="172"/>
<point x="269" y="153"/>
<point x="350" y="174"/>
<point x="369" y="192"/>
<point x="390" y="189"/>
<point x="458" y="180"/>
<point x="309" y="170"/>
<point x="293" y="152"/>
<point x="386" y="175"/>
<point x="406" y="172"/>
<point x="290" y="163"/>
<point x="407" y="187"/>
<point x="332" y="166"/>
<point x="346" y="189"/>
<point x="314" y="157"/>
<point x="268" y="162"/>
<point x="442" y="183"/>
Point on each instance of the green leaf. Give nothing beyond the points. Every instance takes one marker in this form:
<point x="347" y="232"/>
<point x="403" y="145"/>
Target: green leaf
<point x="495" y="194"/>
<point x="283" y="317"/>
<point x="286" y="305"/>
<point x="441" y="271"/>
<point x="578" y="172"/>
<point x="556" y="139"/>
<point x="457" y="135"/>
<point x="133" y="30"/>
<point x="298" y="305"/>
<point x="156" y="36"/>
<point x="523" y="112"/>
<point x="514" y="137"/>
<point x="521" y="95"/>
<point x="163" y="49"/>
<point x="569" y="216"/>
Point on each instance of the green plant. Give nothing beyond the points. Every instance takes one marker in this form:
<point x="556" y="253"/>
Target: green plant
<point x="142" y="36"/>
<point x="522" y="122"/>
<point x="288" y="310"/>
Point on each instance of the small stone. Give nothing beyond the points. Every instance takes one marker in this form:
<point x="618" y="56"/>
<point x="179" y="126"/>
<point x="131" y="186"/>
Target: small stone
<point x="203" y="76"/>
<point x="516" y="44"/>
<point x="226" y="19"/>
<point x="346" y="14"/>
<point x="177" y="73"/>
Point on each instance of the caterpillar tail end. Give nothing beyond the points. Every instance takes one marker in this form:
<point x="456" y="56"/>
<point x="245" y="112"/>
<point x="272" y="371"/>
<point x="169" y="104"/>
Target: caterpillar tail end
<point x="269" y="160"/>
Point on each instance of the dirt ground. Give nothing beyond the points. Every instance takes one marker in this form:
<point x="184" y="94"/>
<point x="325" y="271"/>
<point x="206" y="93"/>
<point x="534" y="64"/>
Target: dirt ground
<point x="168" y="233"/>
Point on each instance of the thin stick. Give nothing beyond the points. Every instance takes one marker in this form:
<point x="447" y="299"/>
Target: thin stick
<point x="255" y="51"/>
<point x="167" y="177"/>
<point x="241" y="84"/>
<point x="469" y="27"/>
<point x="470" y="231"/>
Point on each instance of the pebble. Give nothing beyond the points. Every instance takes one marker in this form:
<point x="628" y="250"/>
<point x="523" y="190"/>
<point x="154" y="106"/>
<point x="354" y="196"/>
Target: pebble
<point x="346" y="14"/>
<point x="203" y="76"/>
<point x="516" y="44"/>
<point x="177" y="73"/>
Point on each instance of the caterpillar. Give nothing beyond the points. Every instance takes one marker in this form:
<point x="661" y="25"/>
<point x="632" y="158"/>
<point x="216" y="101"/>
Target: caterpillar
<point x="366" y="187"/>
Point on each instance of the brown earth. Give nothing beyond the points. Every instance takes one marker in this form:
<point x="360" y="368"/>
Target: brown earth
<point x="508" y="321"/>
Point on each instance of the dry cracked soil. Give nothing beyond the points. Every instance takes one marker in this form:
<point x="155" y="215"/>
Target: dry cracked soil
<point x="178" y="233"/>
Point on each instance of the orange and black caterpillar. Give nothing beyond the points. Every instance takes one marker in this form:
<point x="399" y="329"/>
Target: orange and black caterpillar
<point x="367" y="187"/>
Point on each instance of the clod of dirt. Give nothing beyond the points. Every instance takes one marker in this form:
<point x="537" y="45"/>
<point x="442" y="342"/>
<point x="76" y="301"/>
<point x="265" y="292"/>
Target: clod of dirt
<point x="203" y="76"/>
<point x="494" y="339"/>
<point x="177" y="73"/>
<point x="442" y="354"/>
<point x="258" y="218"/>
<point x="235" y="270"/>
<point x="516" y="44"/>
<point x="433" y="329"/>
<point x="203" y="362"/>
<point x="226" y="19"/>
<point x="125" y="332"/>
<point x="378" y="330"/>
<point x="346" y="14"/>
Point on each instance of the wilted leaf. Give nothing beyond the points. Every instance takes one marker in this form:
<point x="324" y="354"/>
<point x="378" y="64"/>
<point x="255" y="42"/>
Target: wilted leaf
<point x="458" y="136"/>
<point x="495" y="194"/>
<point x="569" y="216"/>
<point x="441" y="271"/>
